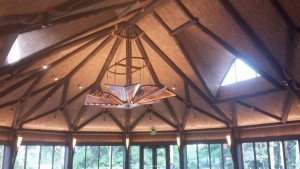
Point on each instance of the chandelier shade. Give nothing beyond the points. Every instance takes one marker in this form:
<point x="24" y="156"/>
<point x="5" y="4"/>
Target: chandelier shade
<point x="128" y="97"/>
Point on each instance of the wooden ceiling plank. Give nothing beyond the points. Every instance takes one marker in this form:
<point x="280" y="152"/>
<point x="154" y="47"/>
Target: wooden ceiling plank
<point x="106" y="64"/>
<point x="228" y="47"/>
<point x="287" y="107"/>
<point x="148" y="9"/>
<point x="256" y="94"/>
<point x="242" y="23"/>
<point x="165" y="120"/>
<point x="199" y="110"/>
<point x="183" y="76"/>
<point x="59" y="46"/>
<point x="259" y="110"/>
<point x="32" y="86"/>
<point x="134" y="124"/>
<point x="284" y="15"/>
<point x="156" y="81"/>
<point x="185" y="54"/>
<point x="40" y="102"/>
<point x="19" y="84"/>
<point x="88" y="121"/>
<point x="82" y="110"/>
<point x="39" y="116"/>
<point x="117" y="122"/>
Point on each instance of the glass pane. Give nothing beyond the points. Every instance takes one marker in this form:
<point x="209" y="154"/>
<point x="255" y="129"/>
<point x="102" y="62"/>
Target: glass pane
<point x="292" y="154"/>
<point x="276" y="155"/>
<point x="46" y="157"/>
<point x="161" y="158"/>
<point x="262" y="159"/>
<point x="216" y="156"/>
<point x="191" y="156"/>
<point x="134" y="157"/>
<point x="248" y="156"/>
<point x="104" y="161"/>
<point x="59" y="157"/>
<point x="92" y="153"/>
<point x="174" y="157"/>
<point x="79" y="157"/>
<point x="118" y="157"/>
<point x="1" y="155"/>
<point x="32" y="161"/>
<point x="243" y="71"/>
<point x="148" y="158"/>
<point x="20" y="159"/>
<point x="203" y="156"/>
<point x="230" y="76"/>
<point x="228" y="163"/>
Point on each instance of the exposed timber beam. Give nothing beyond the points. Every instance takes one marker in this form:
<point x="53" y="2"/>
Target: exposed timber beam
<point x="40" y="116"/>
<point x="188" y="105"/>
<point x="68" y="102"/>
<point x="40" y="103"/>
<point x="63" y="104"/>
<point x="88" y="121"/>
<point x="234" y="114"/>
<point x="116" y="122"/>
<point x="67" y="77"/>
<point x="82" y="110"/>
<point x="287" y="107"/>
<point x="201" y="111"/>
<point x="182" y="27"/>
<point x="259" y="110"/>
<point x="164" y="120"/>
<point x="256" y="94"/>
<point x="132" y="127"/>
<point x="228" y="47"/>
<point x="285" y="16"/>
<point x="152" y="6"/>
<point x="185" y="54"/>
<point x="184" y="77"/>
<point x="156" y="81"/>
<point x="59" y="46"/>
<point x="242" y="23"/>
<point x="106" y="64"/>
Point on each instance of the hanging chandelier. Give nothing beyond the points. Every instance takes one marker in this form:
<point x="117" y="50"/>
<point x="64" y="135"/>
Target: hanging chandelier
<point x="130" y="95"/>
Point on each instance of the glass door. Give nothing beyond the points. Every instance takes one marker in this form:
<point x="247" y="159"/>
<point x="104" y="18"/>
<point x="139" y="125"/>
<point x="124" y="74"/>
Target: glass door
<point x="154" y="157"/>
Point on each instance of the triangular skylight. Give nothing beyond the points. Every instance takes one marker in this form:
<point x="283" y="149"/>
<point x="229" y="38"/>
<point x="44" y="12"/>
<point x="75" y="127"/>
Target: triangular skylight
<point x="238" y="71"/>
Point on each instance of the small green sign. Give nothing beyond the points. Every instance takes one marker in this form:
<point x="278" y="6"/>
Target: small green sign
<point x="153" y="132"/>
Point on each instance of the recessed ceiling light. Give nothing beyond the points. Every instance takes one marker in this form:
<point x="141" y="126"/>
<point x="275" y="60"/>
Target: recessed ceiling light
<point x="173" y="88"/>
<point x="79" y="87"/>
<point x="45" y="67"/>
<point x="56" y="78"/>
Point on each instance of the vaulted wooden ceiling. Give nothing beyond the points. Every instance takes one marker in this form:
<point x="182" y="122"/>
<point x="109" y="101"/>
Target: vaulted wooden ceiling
<point x="190" y="43"/>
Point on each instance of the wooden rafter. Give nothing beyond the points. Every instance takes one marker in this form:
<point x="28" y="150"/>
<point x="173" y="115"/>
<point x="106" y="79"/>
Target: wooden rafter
<point x="259" y="110"/>
<point x="116" y="122"/>
<point x="184" y="77"/>
<point x="187" y="109"/>
<point x="134" y="124"/>
<point x="287" y="106"/>
<point x="234" y="114"/>
<point x="199" y="110"/>
<point x="285" y="16"/>
<point x="156" y="81"/>
<point x="228" y="47"/>
<point x="185" y="54"/>
<point x="63" y="103"/>
<point x="59" y="46"/>
<point x="164" y="120"/>
<point x="88" y="121"/>
<point x="99" y="78"/>
<point x="40" y="116"/>
<point x="242" y="23"/>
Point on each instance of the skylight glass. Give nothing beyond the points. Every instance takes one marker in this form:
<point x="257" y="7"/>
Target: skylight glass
<point x="238" y="71"/>
<point x="14" y="54"/>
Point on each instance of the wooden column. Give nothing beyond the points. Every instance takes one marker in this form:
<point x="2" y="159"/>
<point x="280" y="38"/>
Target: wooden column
<point x="235" y="149"/>
<point x="70" y="151"/>
<point x="181" y="151"/>
<point x="13" y="148"/>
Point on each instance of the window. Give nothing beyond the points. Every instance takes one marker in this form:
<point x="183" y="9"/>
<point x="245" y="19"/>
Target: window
<point x="1" y="155"/>
<point x="174" y="157"/>
<point x="46" y="157"/>
<point x="101" y="157"/>
<point x="208" y="156"/>
<point x="238" y="71"/>
<point x="134" y="158"/>
<point x="273" y="155"/>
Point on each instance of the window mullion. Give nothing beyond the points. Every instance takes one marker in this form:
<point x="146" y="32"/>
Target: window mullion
<point x="209" y="156"/>
<point x="255" y="162"/>
<point x="25" y="157"/>
<point x="53" y="150"/>
<point x="40" y="157"/>
<point x="197" y="151"/>
<point x="222" y="152"/>
<point x="283" y="150"/>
